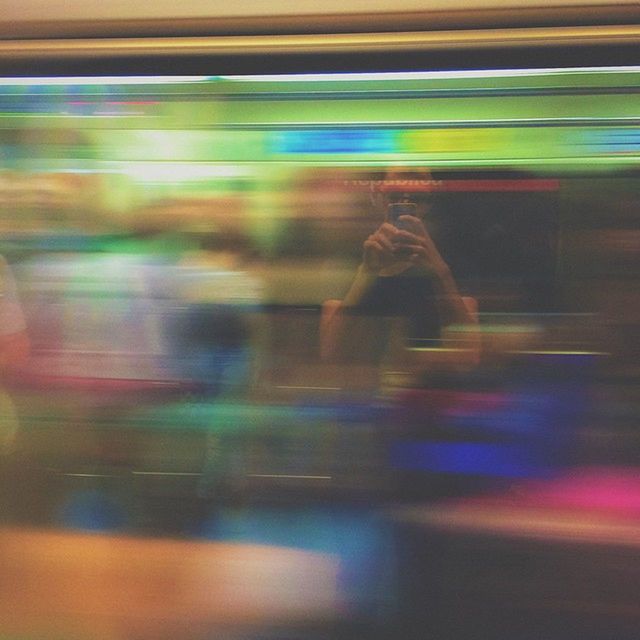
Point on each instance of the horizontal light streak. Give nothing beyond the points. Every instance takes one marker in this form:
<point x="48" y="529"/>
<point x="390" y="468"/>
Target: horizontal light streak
<point x="158" y="169"/>
<point x="428" y="75"/>
<point x="104" y="80"/>
<point x="318" y="43"/>
<point x="165" y="473"/>
<point x="182" y="171"/>
<point x="429" y="124"/>
<point x="349" y="93"/>
<point x="287" y="476"/>
<point x="88" y="475"/>
<point x="562" y="353"/>
<point x="306" y="388"/>
<point x="315" y="77"/>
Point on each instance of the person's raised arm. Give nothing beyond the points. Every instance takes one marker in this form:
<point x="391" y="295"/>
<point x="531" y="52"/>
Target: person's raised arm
<point x="421" y="251"/>
<point x="460" y="336"/>
<point x="340" y="326"/>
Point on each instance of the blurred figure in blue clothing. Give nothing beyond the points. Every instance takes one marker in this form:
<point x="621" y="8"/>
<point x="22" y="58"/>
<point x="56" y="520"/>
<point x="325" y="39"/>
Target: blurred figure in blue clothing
<point x="215" y="332"/>
<point x="216" y="339"/>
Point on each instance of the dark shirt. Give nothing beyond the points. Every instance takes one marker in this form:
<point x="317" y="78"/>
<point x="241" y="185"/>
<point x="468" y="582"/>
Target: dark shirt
<point x="409" y="295"/>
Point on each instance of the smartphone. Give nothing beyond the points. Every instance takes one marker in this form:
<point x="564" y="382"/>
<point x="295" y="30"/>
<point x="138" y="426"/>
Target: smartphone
<point x="398" y="209"/>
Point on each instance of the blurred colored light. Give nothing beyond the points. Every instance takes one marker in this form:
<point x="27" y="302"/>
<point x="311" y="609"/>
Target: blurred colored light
<point x="87" y="80"/>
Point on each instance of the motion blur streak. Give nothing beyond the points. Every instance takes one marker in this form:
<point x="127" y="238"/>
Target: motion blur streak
<point x="62" y="584"/>
<point x="320" y="355"/>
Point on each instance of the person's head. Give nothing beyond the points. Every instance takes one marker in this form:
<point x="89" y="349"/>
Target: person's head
<point x="414" y="187"/>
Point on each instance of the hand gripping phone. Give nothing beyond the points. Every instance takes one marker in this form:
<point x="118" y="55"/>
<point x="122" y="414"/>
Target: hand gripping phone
<point x="398" y="209"/>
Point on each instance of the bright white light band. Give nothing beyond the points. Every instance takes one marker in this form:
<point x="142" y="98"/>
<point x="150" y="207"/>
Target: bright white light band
<point x="315" y="77"/>
<point x="428" y="75"/>
<point x="106" y="80"/>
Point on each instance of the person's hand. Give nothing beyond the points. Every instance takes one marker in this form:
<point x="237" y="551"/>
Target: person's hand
<point x="414" y="244"/>
<point x="380" y="249"/>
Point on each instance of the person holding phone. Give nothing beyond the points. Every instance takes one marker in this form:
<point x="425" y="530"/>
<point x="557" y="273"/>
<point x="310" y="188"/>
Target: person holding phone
<point x="403" y="281"/>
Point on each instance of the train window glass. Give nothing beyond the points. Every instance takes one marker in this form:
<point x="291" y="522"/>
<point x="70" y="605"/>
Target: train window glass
<point x="211" y="236"/>
<point x="261" y="308"/>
